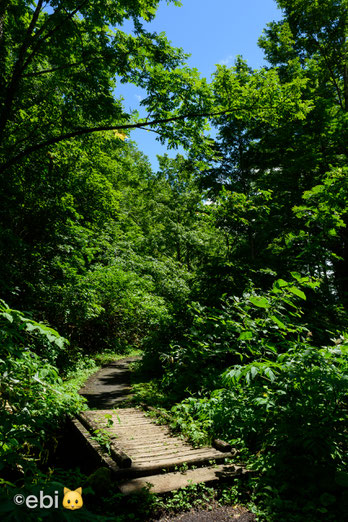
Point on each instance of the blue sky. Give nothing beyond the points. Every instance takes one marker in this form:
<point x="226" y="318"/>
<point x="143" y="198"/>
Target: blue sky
<point x="212" y="32"/>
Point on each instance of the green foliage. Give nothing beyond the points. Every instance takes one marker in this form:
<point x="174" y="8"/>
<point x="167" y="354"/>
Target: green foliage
<point x="291" y="427"/>
<point x="252" y="327"/>
<point x="197" y="496"/>
<point x="69" y="56"/>
<point x="34" y="399"/>
<point x="229" y="267"/>
<point x="282" y="402"/>
<point x="111" y="304"/>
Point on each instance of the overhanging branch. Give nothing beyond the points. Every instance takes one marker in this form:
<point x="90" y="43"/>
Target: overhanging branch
<point x="126" y="126"/>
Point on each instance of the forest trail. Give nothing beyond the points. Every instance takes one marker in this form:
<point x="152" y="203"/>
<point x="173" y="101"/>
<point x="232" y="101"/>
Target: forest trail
<point x="142" y="451"/>
<point x="110" y="386"/>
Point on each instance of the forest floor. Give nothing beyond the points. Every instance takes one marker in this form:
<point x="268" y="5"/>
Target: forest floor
<point x="111" y="386"/>
<point x="218" y="514"/>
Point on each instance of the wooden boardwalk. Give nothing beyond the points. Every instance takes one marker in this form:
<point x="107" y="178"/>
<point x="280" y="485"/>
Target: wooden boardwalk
<point x="139" y="447"/>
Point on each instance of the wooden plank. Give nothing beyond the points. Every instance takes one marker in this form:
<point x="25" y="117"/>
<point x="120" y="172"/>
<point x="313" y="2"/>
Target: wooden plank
<point x="139" y="440"/>
<point x="147" y="441"/>
<point x="147" y="470"/>
<point x="104" y="458"/>
<point x="120" y="457"/>
<point x="163" y="439"/>
<point x="118" y="410"/>
<point x="123" y="422"/>
<point x="155" y="444"/>
<point x="149" y="427"/>
<point x="144" y="425"/>
<point x="154" y="455"/>
<point x="156" y="452"/>
<point x="101" y="414"/>
<point x="171" y="481"/>
<point x="182" y="455"/>
<point x="145" y="422"/>
<point x="173" y="461"/>
<point x="221" y="445"/>
<point x="134" y="450"/>
<point x="118" y="413"/>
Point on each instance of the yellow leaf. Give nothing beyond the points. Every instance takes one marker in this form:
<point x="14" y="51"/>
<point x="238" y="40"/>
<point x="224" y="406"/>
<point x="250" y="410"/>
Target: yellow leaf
<point x="120" y="135"/>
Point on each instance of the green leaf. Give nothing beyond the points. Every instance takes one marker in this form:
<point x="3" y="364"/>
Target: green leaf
<point x="270" y="374"/>
<point x="244" y="336"/>
<point x="271" y="347"/>
<point x="261" y="302"/>
<point x="280" y="283"/>
<point x="254" y="371"/>
<point x="278" y="322"/>
<point x="296" y="275"/>
<point x="9" y="317"/>
<point x="297" y="292"/>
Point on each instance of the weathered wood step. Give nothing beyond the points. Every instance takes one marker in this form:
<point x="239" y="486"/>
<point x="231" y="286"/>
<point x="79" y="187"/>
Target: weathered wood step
<point x="122" y="423"/>
<point x="181" y="453"/>
<point x="141" y="449"/>
<point x="171" y="481"/>
<point x="150" y="447"/>
<point x="135" y="449"/>
<point x="155" y="435"/>
<point x="124" y="412"/>
<point x="149" y="426"/>
<point x="153" y="442"/>
<point x="157" y="441"/>
<point x="150" y="468"/>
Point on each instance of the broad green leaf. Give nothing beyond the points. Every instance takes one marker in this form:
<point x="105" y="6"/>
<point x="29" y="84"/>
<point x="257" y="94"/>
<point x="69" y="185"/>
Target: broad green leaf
<point x="244" y="336"/>
<point x="297" y="292"/>
<point x="280" y="283"/>
<point x="270" y="374"/>
<point x="296" y="275"/>
<point x="278" y="322"/>
<point x="9" y="317"/>
<point x="254" y="371"/>
<point x="261" y="302"/>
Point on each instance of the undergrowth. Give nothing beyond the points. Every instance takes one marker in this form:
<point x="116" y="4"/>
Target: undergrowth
<point x="103" y="502"/>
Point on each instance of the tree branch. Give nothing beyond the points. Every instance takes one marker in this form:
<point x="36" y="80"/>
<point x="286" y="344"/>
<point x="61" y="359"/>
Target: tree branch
<point x="149" y="130"/>
<point x="331" y="73"/>
<point x="126" y="126"/>
<point x="22" y="63"/>
<point x="50" y="33"/>
<point x="54" y="69"/>
<point x="16" y="75"/>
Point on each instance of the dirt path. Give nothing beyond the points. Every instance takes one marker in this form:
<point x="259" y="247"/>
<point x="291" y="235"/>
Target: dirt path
<point x="219" y="514"/>
<point x="109" y="386"/>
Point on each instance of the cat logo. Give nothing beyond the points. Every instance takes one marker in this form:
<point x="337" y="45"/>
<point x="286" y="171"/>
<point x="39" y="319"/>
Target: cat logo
<point x="72" y="499"/>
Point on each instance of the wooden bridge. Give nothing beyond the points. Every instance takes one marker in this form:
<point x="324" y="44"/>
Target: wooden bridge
<point x="141" y="452"/>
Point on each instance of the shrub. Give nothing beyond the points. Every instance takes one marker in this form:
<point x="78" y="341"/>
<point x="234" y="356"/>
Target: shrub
<point x="33" y="397"/>
<point x="282" y="401"/>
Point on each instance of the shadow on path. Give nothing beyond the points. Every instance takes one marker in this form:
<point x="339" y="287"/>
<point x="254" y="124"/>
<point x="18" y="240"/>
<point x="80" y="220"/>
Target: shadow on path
<point x="109" y="386"/>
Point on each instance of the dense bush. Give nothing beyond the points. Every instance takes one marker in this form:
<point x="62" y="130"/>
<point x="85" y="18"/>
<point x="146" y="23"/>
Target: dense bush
<point x="33" y="397"/>
<point x="282" y="402"/>
<point x="255" y="326"/>
<point x="288" y="418"/>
